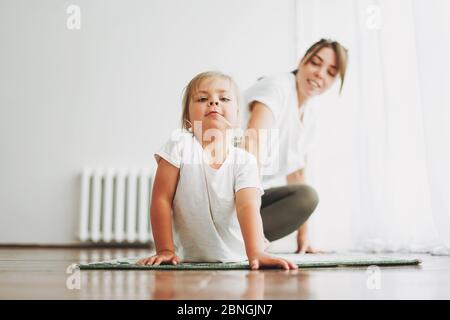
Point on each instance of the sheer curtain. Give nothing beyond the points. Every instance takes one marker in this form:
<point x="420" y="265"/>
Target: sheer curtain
<point x="382" y="160"/>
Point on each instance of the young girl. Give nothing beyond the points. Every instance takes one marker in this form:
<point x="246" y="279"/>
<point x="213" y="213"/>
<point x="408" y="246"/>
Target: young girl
<point x="211" y="186"/>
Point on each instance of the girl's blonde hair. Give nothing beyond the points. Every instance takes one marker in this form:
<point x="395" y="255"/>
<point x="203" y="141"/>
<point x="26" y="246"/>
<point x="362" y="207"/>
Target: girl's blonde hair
<point x="192" y="87"/>
<point x="341" y="56"/>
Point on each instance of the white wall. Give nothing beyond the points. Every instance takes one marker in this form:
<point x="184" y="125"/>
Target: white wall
<point x="109" y="94"/>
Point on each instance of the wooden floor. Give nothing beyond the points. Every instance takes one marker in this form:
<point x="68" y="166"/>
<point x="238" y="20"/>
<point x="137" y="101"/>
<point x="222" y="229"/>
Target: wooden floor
<point x="37" y="273"/>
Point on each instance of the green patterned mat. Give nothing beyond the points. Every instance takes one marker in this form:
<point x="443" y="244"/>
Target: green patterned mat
<point x="302" y="261"/>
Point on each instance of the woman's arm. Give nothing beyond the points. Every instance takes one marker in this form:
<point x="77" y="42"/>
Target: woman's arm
<point x="303" y="244"/>
<point x="164" y="187"/>
<point x="260" y="118"/>
<point x="297" y="177"/>
<point x="248" y="202"/>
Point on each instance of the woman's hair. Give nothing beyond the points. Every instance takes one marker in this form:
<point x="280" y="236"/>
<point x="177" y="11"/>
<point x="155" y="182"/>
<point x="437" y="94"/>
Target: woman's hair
<point x="341" y="56"/>
<point x="192" y="87"/>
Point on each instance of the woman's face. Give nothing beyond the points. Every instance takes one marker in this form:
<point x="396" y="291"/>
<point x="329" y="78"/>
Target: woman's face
<point x="214" y="104"/>
<point x="317" y="75"/>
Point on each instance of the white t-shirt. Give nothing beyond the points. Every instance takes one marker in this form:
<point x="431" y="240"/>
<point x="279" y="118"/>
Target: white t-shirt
<point x="291" y="138"/>
<point x="206" y="228"/>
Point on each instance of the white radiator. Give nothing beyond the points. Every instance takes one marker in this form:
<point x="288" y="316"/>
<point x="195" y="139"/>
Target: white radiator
<point x="115" y="205"/>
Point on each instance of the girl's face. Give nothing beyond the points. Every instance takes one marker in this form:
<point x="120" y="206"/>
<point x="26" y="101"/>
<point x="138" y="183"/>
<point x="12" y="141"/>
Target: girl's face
<point x="317" y="75"/>
<point x="214" y="104"/>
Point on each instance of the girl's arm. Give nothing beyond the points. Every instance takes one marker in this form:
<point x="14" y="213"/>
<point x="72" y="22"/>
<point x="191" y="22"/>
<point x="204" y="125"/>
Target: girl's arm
<point x="248" y="202"/>
<point x="164" y="187"/>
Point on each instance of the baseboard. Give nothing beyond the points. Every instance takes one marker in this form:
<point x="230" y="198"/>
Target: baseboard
<point x="77" y="245"/>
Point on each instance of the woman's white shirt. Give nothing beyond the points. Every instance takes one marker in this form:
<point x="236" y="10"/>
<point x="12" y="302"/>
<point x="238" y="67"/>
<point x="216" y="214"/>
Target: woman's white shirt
<point x="290" y="138"/>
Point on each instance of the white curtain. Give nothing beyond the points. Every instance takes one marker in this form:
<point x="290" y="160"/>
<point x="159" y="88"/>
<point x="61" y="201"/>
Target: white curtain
<point x="382" y="161"/>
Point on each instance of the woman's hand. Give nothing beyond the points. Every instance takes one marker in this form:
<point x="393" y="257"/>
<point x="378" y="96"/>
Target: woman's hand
<point x="303" y="244"/>
<point x="163" y="257"/>
<point x="261" y="260"/>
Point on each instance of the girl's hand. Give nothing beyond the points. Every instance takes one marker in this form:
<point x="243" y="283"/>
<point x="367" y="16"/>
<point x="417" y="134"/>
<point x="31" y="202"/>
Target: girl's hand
<point x="263" y="259"/>
<point x="164" y="257"/>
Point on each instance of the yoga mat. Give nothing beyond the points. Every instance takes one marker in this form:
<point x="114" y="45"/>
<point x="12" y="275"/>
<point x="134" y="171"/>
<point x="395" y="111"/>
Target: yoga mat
<point x="302" y="261"/>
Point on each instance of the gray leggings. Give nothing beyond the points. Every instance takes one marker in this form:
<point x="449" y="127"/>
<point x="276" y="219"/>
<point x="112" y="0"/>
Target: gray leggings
<point x="285" y="209"/>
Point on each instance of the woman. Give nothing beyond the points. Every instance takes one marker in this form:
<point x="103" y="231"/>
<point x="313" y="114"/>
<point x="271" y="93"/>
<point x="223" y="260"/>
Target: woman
<point x="278" y="104"/>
